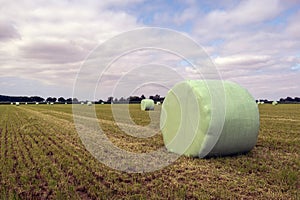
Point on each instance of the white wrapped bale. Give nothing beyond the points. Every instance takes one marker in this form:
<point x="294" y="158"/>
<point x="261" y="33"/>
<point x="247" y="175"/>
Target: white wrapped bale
<point x="51" y="103"/>
<point x="37" y="103"/>
<point x="17" y="103"/>
<point x="89" y="103"/>
<point x="147" y="104"/>
<point x="102" y="103"/>
<point x="187" y="120"/>
<point x="158" y="103"/>
<point x="274" y="103"/>
<point x="82" y="103"/>
<point x="11" y="103"/>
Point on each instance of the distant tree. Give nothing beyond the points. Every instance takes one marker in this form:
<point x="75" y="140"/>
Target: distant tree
<point x="100" y="101"/>
<point x="156" y="98"/>
<point x="75" y="100"/>
<point x="61" y="100"/>
<point x="49" y="99"/>
<point x="69" y="100"/>
<point x="143" y="97"/>
<point x="116" y="100"/>
<point x="35" y="99"/>
<point x="281" y="100"/>
<point x="134" y="99"/>
<point x="122" y="99"/>
<point x="110" y="99"/>
<point x="297" y="99"/>
<point x="289" y="99"/>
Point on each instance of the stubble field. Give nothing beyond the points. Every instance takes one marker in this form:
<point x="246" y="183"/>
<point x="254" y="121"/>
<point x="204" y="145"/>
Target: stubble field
<point x="42" y="157"/>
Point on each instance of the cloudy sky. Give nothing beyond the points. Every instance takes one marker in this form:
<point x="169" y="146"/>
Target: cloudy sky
<point x="44" y="43"/>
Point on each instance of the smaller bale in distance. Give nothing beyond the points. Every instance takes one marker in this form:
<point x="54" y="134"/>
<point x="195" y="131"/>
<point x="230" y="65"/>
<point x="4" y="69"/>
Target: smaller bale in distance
<point x="158" y="103"/>
<point x="147" y="104"/>
<point x="17" y="103"/>
<point x="37" y="103"/>
<point x="274" y="103"/>
<point x="82" y="103"/>
<point x="51" y="103"/>
<point x="102" y="103"/>
<point x="89" y="103"/>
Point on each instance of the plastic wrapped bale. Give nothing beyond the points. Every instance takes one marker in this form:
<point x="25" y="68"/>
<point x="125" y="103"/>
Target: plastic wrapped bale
<point x="188" y="119"/>
<point x="274" y="103"/>
<point x="37" y="103"/>
<point x="17" y="103"/>
<point x="158" y="103"/>
<point x="147" y="104"/>
<point x="102" y="103"/>
<point x="51" y="103"/>
<point x="89" y="103"/>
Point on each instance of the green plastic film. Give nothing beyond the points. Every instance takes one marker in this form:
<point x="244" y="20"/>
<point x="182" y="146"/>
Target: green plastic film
<point x="147" y="104"/>
<point x="187" y="119"/>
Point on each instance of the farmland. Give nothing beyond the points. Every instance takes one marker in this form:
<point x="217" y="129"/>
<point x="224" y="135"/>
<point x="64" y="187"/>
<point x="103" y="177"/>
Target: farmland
<point x="43" y="157"/>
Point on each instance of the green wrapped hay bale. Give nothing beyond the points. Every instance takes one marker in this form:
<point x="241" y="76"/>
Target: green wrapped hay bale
<point x="274" y="103"/>
<point x="189" y="119"/>
<point x="147" y="104"/>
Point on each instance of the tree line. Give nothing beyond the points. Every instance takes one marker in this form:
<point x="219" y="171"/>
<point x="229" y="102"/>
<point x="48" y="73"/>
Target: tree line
<point x="34" y="99"/>
<point x="282" y="100"/>
<point x="131" y="99"/>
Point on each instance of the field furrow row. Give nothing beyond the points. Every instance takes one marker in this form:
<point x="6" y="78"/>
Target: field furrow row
<point x="42" y="157"/>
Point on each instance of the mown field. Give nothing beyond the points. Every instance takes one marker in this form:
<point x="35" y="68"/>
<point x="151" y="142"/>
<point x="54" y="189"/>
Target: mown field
<point x="42" y="157"/>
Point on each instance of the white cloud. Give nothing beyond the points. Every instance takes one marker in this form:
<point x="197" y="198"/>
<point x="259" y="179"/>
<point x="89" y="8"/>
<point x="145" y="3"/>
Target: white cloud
<point x="47" y="41"/>
<point x="293" y="27"/>
<point x="250" y="41"/>
<point x="230" y="23"/>
<point x="188" y="14"/>
<point x="240" y="60"/>
<point x="8" y="31"/>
